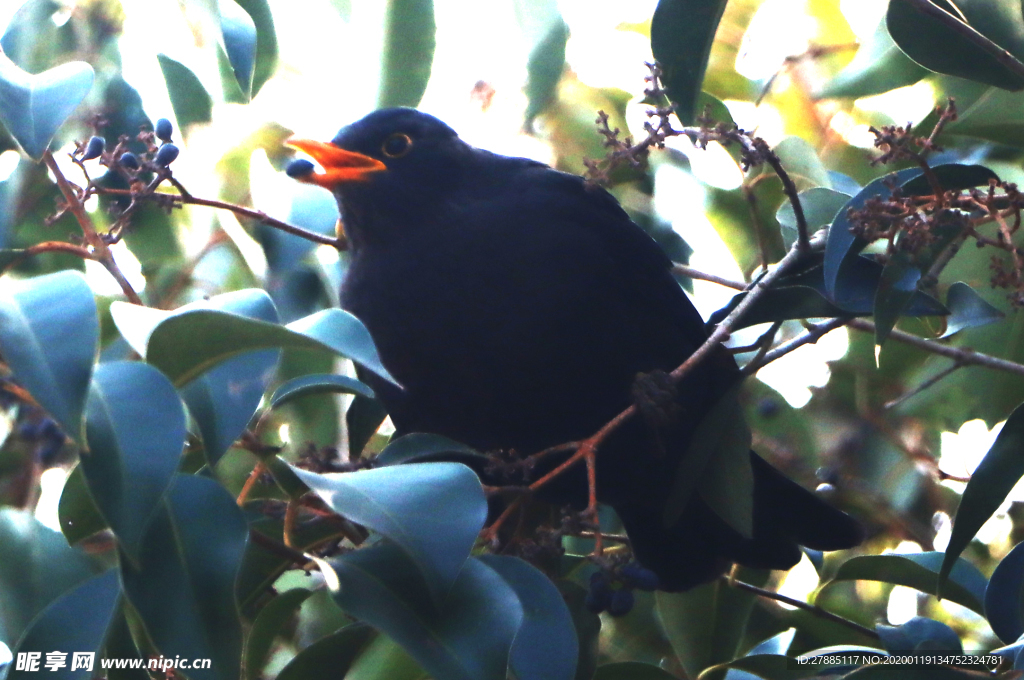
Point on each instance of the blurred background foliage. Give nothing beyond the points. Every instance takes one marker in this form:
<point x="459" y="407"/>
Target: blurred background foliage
<point x="527" y="77"/>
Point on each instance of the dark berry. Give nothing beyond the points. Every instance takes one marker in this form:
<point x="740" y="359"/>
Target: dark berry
<point x="166" y="155"/>
<point x="129" y="160"/>
<point x="94" y="148"/>
<point x="299" y="167"/>
<point x="621" y="602"/>
<point x="768" y="408"/>
<point x="599" y="596"/>
<point x="639" y="576"/>
<point x="164" y="129"/>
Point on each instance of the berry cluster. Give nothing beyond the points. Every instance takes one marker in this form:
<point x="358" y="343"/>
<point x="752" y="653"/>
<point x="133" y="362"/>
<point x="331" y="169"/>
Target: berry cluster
<point x="156" y="157"/>
<point x="612" y="590"/>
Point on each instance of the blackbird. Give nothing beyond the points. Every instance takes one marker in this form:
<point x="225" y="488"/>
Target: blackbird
<point x="519" y="308"/>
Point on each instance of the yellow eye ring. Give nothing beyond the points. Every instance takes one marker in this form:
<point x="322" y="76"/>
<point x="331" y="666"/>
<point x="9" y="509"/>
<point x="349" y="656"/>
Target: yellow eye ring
<point x="396" y="145"/>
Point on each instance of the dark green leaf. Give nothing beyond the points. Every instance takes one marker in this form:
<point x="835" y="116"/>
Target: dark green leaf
<point x="966" y="586"/>
<point x="682" y="32"/>
<point x="433" y="511"/>
<point x="33" y="107"/>
<point x="997" y="473"/>
<point x="422" y="445"/>
<point x="36" y="567"/>
<point x="239" y="33"/>
<point x="318" y="384"/>
<point x="266" y="41"/>
<point x="952" y="177"/>
<point x="939" y="47"/>
<point x="384" y="659"/>
<point x="189" y="99"/>
<point x="270" y="622"/>
<point x="967" y="309"/>
<point x="1004" y="597"/>
<point x="77" y="512"/>
<point x="802" y="163"/>
<point x="408" y="52"/>
<point x="769" y="666"/>
<point x="469" y="638"/>
<point x="587" y="625"/>
<point x="135" y="427"/>
<point x="546" y="34"/>
<point x="896" y="287"/>
<point x="545" y="647"/>
<point x="879" y="66"/>
<point x="363" y="419"/>
<point x="74" y="623"/>
<point x="820" y="206"/>
<point x="328" y="657"/>
<point x="49" y="333"/>
<point x="919" y="634"/>
<point x="184" y="587"/>
<point x="631" y="670"/>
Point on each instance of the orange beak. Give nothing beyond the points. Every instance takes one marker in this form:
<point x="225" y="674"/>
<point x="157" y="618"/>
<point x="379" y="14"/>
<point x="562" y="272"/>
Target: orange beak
<point x="340" y="166"/>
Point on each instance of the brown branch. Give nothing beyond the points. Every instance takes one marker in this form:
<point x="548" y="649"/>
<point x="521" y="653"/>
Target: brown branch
<point x="922" y="386"/>
<point x="95" y="240"/>
<point x="811" y="336"/>
<point x="686" y="270"/>
<point x="800" y="604"/>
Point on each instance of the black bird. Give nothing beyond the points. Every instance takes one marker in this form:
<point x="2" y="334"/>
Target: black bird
<point x="517" y="306"/>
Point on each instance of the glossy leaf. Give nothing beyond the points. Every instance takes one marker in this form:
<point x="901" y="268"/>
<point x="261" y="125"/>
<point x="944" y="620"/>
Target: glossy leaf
<point x="266" y="41"/>
<point x="423" y="445"/>
<point x="920" y="634"/>
<point x="938" y="47"/>
<point x="362" y="420"/>
<point x="48" y="336"/>
<point x="682" y="32"/>
<point x="967" y="309"/>
<point x="1004" y="597"/>
<point x="469" y="638"/>
<point x="432" y="511"/>
<point x="318" y="384"/>
<point x="186" y="345"/>
<point x="77" y="512"/>
<point x="408" y="55"/>
<point x="965" y="587"/>
<point x="183" y="588"/>
<point x="191" y="102"/>
<point x="384" y="659"/>
<point x="896" y="287"/>
<point x="75" y="622"/>
<point x="34" y="107"/>
<point x="330" y="656"/>
<point x="878" y="66"/>
<point x="239" y="34"/>
<point x="991" y="481"/>
<point x="135" y="426"/>
<point x="546" y="34"/>
<point x="820" y="206"/>
<point x="546" y="647"/>
<point x="631" y="670"/>
<point x="952" y="177"/>
<point x="269" y="623"/>
<point x="36" y="567"/>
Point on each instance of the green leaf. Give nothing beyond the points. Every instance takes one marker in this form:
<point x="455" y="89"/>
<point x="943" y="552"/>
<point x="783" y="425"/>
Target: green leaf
<point x="423" y="445"/>
<point x="239" y="34"/>
<point x="705" y="625"/>
<point x="362" y="419"/>
<point x="802" y="162"/>
<point x="318" y="384"/>
<point x="952" y="177"/>
<point x="938" y="47"/>
<point x="546" y="34"/>
<point x="631" y="670"/>
<point x="878" y="66"/>
<point x="184" y="587"/>
<point x="34" y="107"/>
<point x="135" y="427"/>
<point x="546" y="646"/>
<point x="432" y="511"/>
<point x="269" y="623"/>
<point x="769" y="666"/>
<point x="49" y="334"/>
<point x="189" y="99"/>
<point x="967" y="309"/>
<point x="77" y="512"/>
<point x="918" y="571"/>
<point x="74" y="623"/>
<point x="468" y="639"/>
<point x="36" y="567"/>
<point x="1004" y="596"/>
<point x="896" y="287"/>
<point x="329" y="657"/>
<point x="820" y="206"/>
<point x="993" y="479"/>
<point x="266" y="41"/>
<point x="408" y="52"/>
<point x="682" y="32"/>
<point x="186" y="345"/>
<point x="919" y="634"/>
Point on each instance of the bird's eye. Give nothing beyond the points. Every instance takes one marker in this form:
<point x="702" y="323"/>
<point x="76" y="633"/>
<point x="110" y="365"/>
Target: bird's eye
<point x="396" y="145"/>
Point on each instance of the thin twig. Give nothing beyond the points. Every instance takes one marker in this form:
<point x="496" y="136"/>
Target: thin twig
<point x="800" y="604"/>
<point x="923" y="386"/>
<point x="686" y="270"/>
<point x="811" y="336"/>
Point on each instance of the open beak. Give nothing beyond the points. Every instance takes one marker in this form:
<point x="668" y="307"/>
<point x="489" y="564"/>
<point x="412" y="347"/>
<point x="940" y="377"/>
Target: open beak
<point x="340" y="166"/>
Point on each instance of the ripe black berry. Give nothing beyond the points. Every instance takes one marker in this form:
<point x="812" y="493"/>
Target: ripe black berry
<point x="299" y="167"/>
<point x="621" y="602"/>
<point x="129" y="160"/>
<point x="640" y="577"/>
<point x="164" y="129"/>
<point x="166" y="155"/>
<point x="94" y="148"/>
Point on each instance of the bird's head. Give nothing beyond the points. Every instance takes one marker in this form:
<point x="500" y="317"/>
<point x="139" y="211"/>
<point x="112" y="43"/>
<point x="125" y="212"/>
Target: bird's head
<point x="387" y="170"/>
